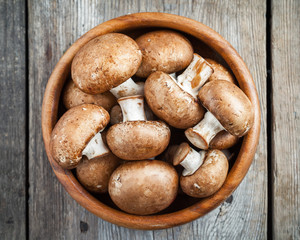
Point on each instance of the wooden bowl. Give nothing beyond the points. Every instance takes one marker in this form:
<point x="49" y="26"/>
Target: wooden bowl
<point x="199" y="207"/>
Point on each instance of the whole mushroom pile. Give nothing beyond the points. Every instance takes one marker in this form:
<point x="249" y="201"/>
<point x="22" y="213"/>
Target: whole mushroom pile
<point x="144" y="142"/>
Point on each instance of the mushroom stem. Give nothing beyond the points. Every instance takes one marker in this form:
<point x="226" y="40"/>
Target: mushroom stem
<point x="201" y="134"/>
<point x="195" y="75"/>
<point x="192" y="162"/>
<point x="128" y="88"/>
<point x="95" y="147"/>
<point x="132" y="108"/>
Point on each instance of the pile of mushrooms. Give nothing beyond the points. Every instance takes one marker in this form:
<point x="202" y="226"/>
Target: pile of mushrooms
<point x="118" y="133"/>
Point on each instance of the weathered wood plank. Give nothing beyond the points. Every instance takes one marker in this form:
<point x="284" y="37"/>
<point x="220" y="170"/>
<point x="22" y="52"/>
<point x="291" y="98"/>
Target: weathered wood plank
<point x="285" y="50"/>
<point x="12" y="120"/>
<point x="52" y="211"/>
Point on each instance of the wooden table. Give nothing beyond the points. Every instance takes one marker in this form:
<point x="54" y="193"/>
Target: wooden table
<point x="35" y="34"/>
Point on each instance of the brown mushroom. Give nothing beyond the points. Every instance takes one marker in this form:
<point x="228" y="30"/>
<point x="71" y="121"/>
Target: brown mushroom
<point x="228" y="109"/>
<point x="94" y="174"/>
<point x="143" y="187"/>
<point x="116" y="115"/>
<point x="163" y="50"/>
<point x="73" y="96"/>
<point x="135" y="138"/>
<point x="204" y="173"/>
<point x="105" y="62"/>
<point x="220" y="72"/>
<point x="223" y="140"/>
<point x="170" y="102"/>
<point x="77" y="133"/>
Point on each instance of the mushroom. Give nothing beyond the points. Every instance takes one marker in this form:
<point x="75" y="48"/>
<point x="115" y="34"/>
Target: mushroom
<point x="195" y="75"/>
<point x="105" y="62"/>
<point x="128" y="88"/>
<point x="135" y="138"/>
<point x="204" y="172"/>
<point x="73" y="96"/>
<point x="116" y="115"/>
<point x="228" y="109"/>
<point x="77" y="133"/>
<point x="143" y="187"/>
<point x="220" y="72"/>
<point x="223" y="140"/>
<point x="168" y="100"/>
<point x="163" y="50"/>
<point x="94" y="174"/>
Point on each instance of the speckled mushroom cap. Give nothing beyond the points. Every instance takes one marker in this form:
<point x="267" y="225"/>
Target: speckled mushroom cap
<point x="73" y="96"/>
<point x="138" y="140"/>
<point x="229" y="105"/>
<point x="94" y="174"/>
<point x="220" y="72"/>
<point x="73" y="132"/>
<point x="164" y="50"/>
<point x="105" y="62"/>
<point x="170" y="102"/>
<point x="143" y="187"/>
<point x="209" y="177"/>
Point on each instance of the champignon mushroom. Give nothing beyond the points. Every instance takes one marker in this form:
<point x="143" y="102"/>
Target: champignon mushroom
<point x="73" y="96"/>
<point x="105" y="62"/>
<point x="163" y="50"/>
<point x="170" y="102"/>
<point x="223" y="140"/>
<point x="143" y="187"/>
<point x="135" y="138"/>
<point x="94" y="174"/>
<point x="220" y="72"/>
<point x="204" y="173"/>
<point x="116" y="115"/>
<point x="228" y="109"/>
<point x="77" y="133"/>
<point x="195" y="75"/>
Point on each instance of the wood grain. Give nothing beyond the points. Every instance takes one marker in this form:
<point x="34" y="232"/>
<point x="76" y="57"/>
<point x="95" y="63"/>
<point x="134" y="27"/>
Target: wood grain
<point x="285" y="55"/>
<point x="64" y="218"/>
<point x="12" y="120"/>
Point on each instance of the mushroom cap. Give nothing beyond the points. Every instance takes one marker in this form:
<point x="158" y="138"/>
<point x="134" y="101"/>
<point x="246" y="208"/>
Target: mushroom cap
<point x="164" y="50"/>
<point x="105" y="62"/>
<point x="143" y="187"/>
<point x="170" y="102"/>
<point x="223" y="140"/>
<point x="138" y="140"/>
<point x="74" y="130"/>
<point x="220" y="72"/>
<point x="73" y="96"/>
<point x="229" y="104"/>
<point x="209" y="177"/>
<point x="94" y="174"/>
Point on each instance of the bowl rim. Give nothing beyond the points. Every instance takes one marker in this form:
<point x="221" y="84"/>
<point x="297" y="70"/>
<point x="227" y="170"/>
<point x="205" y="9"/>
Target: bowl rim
<point x="244" y="158"/>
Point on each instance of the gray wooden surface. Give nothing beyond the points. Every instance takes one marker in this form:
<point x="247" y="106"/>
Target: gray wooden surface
<point x="252" y="212"/>
<point x="12" y="120"/>
<point x="286" y="119"/>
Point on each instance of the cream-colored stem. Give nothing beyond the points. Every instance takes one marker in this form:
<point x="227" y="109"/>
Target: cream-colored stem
<point x="132" y="108"/>
<point x="192" y="162"/>
<point x="195" y="75"/>
<point x="201" y="134"/>
<point x="128" y="88"/>
<point x="96" y="147"/>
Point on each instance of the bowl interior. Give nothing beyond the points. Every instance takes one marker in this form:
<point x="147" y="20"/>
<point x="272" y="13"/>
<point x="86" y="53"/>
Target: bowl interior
<point x="206" y="43"/>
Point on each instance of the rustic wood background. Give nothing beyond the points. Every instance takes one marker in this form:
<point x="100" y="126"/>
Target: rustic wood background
<point x="34" y="35"/>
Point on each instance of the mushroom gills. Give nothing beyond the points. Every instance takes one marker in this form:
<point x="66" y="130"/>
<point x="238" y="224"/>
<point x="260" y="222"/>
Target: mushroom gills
<point x="132" y="108"/>
<point x="195" y="75"/>
<point x="95" y="147"/>
<point x="128" y="88"/>
<point x="201" y="134"/>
